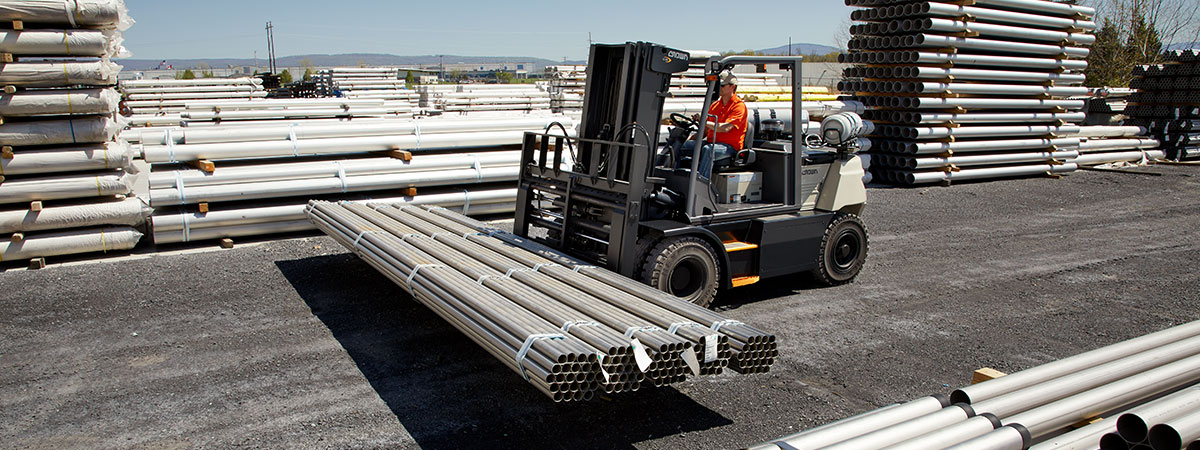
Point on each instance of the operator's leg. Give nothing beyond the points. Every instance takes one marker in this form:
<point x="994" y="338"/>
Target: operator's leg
<point x="685" y="152"/>
<point x="723" y="152"/>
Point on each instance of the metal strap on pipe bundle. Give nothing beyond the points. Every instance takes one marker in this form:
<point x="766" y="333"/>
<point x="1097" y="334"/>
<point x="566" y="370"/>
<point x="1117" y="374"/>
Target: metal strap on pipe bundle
<point x="623" y="334"/>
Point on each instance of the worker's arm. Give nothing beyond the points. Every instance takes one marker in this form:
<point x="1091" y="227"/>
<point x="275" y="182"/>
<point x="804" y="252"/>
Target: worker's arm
<point x="723" y="127"/>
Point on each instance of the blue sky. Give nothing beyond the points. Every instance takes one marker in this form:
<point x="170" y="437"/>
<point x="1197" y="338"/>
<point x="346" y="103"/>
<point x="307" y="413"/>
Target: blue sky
<point x="167" y="29"/>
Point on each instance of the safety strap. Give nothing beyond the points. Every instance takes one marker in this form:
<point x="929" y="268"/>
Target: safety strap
<point x="417" y="268"/>
<point x="716" y="326"/>
<point x="528" y="345"/>
<point x="341" y="174"/>
<point x="629" y="331"/>
<point x="417" y="132"/>
<point x="467" y="204"/>
<point x="292" y="137"/>
<point x="581" y="267"/>
<point x="179" y="186"/>
<point x="578" y="323"/>
<point x="71" y="12"/>
<point x="478" y="171"/>
<point x="187" y="227"/>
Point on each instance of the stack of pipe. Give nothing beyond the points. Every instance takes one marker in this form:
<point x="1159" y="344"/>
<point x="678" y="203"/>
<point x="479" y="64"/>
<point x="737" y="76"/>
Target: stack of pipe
<point x="1106" y="105"/>
<point x="465" y="98"/>
<point x="980" y="91"/>
<point x="1153" y="379"/>
<point x="1101" y="144"/>
<point x="567" y="83"/>
<point x="164" y="96"/>
<point x="354" y="82"/>
<point x="64" y="186"/>
<point x="263" y="172"/>
<point x="535" y="309"/>
<point x="290" y="109"/>
<point x="1168" y="103"/>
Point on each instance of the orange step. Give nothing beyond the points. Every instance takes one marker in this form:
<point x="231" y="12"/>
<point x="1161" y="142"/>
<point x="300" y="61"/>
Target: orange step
<point x="736" y="246"/>
<point x="743" y="281"/>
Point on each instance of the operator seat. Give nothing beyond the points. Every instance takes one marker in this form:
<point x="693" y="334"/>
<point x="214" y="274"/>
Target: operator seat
<point x="741" y="158"/>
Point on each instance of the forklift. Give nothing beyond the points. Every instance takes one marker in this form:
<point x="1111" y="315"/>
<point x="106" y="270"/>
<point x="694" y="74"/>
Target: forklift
<point x="611" y="195"/>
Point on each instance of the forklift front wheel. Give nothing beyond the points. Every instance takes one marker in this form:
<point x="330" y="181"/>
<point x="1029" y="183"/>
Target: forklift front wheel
<point x="843" y="250"/>
<point x="685" y="267"/>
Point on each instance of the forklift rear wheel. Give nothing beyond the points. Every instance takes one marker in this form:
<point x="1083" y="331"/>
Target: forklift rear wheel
<point x="843" y="250"/>
<point x="685" y="267"/>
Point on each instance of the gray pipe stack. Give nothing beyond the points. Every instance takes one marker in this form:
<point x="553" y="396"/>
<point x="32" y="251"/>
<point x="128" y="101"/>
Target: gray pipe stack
<point x="968" y="92"/>
<point x="1151" y="379"/>
<point x="63" y="177"/>
<point x="1168" y="103"/>
<point x="568" y="328"/>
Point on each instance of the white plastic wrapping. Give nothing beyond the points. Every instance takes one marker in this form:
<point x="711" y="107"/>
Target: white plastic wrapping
<point x="129" y="211"/>
<point x="109" y="155"/>
<point x="77" y="130"/>
<point x="192" y="82"/>
<point x="100" y="14"/>
<point x="59" y="73"/>
<point x="59" y="102"/>
<point x="54" y="188"/>
<point x="104" y="43"/>
<point x="70" y="242"/>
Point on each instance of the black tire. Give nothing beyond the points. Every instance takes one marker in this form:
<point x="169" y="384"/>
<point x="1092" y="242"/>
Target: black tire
<point x="843" y="250"/>
<point x="685" y="267"/>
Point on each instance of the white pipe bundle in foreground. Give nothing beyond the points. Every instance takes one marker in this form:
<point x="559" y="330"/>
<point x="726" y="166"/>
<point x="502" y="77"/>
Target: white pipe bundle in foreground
<point x="1112" y="157"/>
<point x="70" y="242"/>
<point x="109" y="155"/>
<point x="100" y="14"/>
<point x="62" y="43"/>
<point x="54" y="188"/>
<point x="307" y="131"/>
<point x="130" y="211"/>
<point x="329" y="185"/>
<point x="321" y="169"/>
<point x="59" y="102"/>
<point x="59" y="73"/>
<point x="76" y="130"/>
<point x="190" y="226"/>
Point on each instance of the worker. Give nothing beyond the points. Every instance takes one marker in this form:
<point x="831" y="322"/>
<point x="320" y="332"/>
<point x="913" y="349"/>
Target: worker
<point x="730" y="127"/>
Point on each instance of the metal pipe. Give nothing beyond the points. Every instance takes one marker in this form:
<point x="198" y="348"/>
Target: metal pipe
<point x="1177" y="432"/>
<point x="983" y="173"/>
<point x="1056" y="369"/>
<point x="887" y="436"/>
<point x="192" y="152"/>
<point x="975" y="426"/>
<point x="1134" y="425"/>
<point x="286" y="131"/>
<point x="1008" y="437"/>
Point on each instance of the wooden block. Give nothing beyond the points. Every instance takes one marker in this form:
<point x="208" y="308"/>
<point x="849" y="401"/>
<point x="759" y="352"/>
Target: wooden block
<point x="203" y="164"/>
<point x="986" y="373"/>
<point x="409" y="192"/>
<point x="18" y="25"/>
<point x="7" y="57"/>
<point x="226" y="243"/>
<point x="10" y="89"/>
<point x="35" y="206"/>
<point x="18" y="237"/>
<point x="37" y="263"/>
<point x="1" y="121"/>
<point x="403" y="155"/>
<point x="1086" y="422"/>
<point x="203" y="207"/>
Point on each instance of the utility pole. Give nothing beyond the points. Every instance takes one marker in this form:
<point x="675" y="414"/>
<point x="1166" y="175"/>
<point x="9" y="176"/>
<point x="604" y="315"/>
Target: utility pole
<point x="271" y="46"/>
<point x="789" y="46"/>
<point x="441" y="69"/>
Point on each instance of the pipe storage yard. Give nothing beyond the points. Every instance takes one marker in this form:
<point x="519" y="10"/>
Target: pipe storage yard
<point x="378" y="297"/>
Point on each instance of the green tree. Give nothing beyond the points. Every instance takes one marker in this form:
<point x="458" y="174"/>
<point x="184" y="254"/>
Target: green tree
<point x="186" y="75"/>
<point x="285" y="77"/>
<point x="503" y="77"/>
<point x="308" y="73"/>
<point x="1123" y="42"/>
<point x="409" y="79"/>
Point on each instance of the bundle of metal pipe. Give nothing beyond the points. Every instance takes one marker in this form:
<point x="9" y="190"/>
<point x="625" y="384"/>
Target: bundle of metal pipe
<point x="349" y="81"/>
<point x="1030" y="407"/>
<point x="1163" y="104"/>
<point x="175" y="225"/>
<point x="270" y="131"/>
<point x="151" y="96"/>
<point x="58" y="129"/>
<point x="943" y="78"/>
<point x="633" y="339"/>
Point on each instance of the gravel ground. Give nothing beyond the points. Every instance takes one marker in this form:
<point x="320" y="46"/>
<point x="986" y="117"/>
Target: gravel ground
<point x="296" y="343"/>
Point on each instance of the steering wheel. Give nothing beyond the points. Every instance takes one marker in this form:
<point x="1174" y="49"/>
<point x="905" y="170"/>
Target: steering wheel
<point x="683" y="121"/>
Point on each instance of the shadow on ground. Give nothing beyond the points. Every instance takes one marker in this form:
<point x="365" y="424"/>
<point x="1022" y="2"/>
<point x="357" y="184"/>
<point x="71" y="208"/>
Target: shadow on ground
<point x="448" y="392"/>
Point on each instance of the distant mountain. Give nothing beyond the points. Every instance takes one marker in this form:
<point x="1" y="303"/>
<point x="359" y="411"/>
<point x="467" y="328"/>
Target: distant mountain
<point x="801" y="49"/>
<point x="344" y="59"/>
<point x="1183" y="46"/>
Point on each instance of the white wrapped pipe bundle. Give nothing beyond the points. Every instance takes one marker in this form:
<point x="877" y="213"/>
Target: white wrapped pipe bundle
<point x="89" y="240"/>
<point x="323" y="169"/>
<point x="59" y="73"/>
<point x="331" y="185"/>
<point x="984" y="173"/>
<point x="217" y="223"/>
<point x="193" y="82"/>
<point x="190" y="89"/>
<point x="62" y="43"/>
<point x="308" y="131"/>
<point x="194" y="95"/>
<point x="1099" y="145"/>
<point x="130" y="211"/>
<point x="98" y="14"/>
<point x="59" y="102"/>
<point x="1112" y="157"/>
<point x="109" y="155"/>
<point x="76" y="130"/>
<point x="55" y="188"/>
<point x="150" y="120"/>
